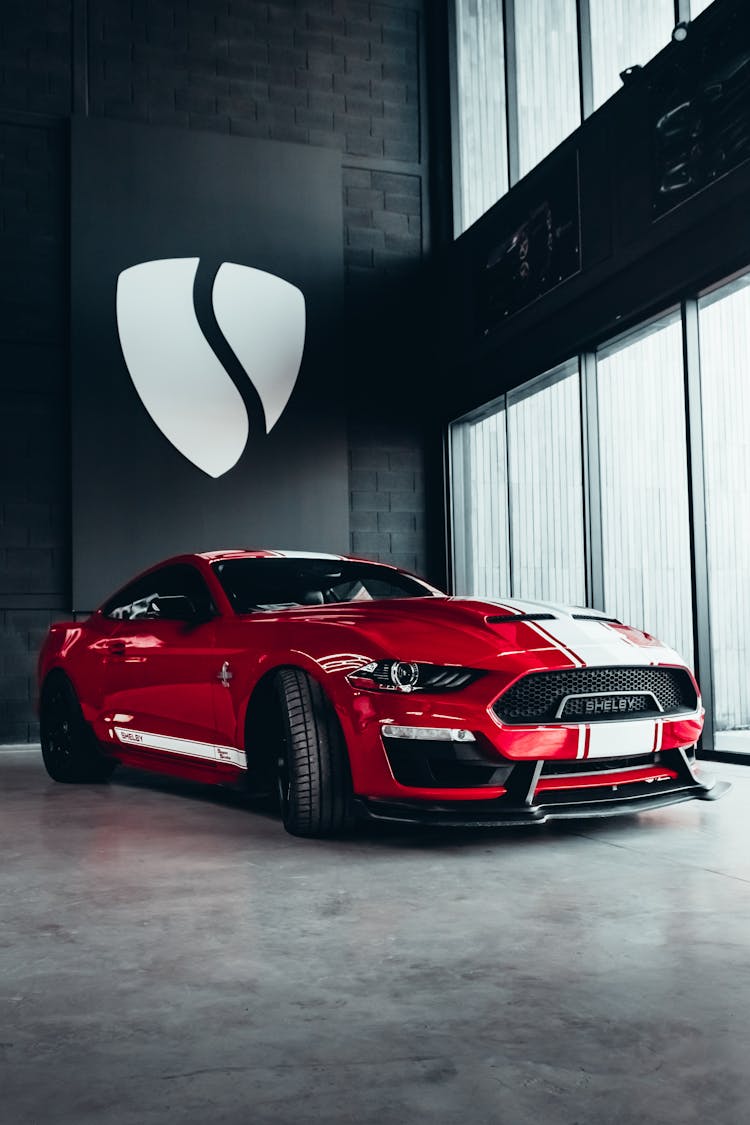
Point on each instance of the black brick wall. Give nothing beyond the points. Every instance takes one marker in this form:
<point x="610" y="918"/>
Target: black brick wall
<point x="346" y="74"/>
<point x="387" y="493"/>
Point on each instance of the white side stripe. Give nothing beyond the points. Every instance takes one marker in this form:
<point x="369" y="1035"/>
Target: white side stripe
<point x="208" y="751"/>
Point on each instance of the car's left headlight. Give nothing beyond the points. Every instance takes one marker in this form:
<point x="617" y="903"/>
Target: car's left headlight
<point x="405" y="676"/>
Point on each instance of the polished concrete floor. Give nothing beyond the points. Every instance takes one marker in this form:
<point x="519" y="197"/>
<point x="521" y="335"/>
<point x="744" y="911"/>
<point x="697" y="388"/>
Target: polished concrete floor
<point x="167" y="954"/>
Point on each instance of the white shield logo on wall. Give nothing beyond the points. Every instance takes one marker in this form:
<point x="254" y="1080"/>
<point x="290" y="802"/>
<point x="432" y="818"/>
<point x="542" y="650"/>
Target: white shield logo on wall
<point x="179" y="379"/>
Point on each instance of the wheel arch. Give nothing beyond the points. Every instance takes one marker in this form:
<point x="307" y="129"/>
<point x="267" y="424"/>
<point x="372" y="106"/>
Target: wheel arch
<point x="262" y="696"/>
<point x="52" y="673"/>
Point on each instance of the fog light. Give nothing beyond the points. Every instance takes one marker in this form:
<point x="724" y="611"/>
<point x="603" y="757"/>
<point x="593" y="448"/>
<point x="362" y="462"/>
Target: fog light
<point x="428" y="734"/>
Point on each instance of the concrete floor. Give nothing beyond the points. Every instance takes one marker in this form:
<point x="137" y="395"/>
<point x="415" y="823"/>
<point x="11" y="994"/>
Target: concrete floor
<point x="169" y="955"/>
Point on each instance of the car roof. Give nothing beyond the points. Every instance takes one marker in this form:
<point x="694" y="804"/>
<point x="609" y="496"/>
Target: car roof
<point x="266" y="553"/>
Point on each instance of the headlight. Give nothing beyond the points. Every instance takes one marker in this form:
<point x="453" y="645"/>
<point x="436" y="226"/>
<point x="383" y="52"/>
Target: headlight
<point x="402" y="675"/>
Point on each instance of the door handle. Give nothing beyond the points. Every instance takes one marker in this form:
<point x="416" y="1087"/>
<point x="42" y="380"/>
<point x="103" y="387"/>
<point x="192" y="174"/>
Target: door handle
<point x="115" y="648"/>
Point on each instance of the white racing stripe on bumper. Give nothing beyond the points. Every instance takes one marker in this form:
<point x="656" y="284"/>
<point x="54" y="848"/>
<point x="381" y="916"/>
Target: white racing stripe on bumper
<point x="207" y="751"/>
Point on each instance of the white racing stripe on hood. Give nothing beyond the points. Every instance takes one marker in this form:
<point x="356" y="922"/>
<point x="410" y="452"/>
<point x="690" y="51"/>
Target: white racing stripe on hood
<point x="589" y="641"/>
<point x="549" y="635"/>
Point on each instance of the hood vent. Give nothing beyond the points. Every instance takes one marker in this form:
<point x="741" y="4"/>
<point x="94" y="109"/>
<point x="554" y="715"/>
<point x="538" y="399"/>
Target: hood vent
<point x="596" y="617"/>
<point x="504" y="618"/>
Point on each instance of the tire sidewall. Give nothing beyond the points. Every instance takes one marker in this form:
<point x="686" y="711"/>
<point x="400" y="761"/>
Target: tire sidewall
<point x="85" y="762"/>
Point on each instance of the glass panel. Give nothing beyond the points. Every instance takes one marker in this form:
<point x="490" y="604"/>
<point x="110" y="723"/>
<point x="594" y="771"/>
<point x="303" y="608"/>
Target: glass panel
<point x="725" y="396"/>
<point x="644" y="486"/>
<point x="624" y="33"/>
<point x="546" y="491"/>
<point x="480" y="103"/>
<point x="483" y="509"/>
<point x="549" y="105"/>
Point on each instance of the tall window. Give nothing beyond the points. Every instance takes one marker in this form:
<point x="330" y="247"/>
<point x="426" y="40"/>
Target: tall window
<point x="518" y="495"/>
<point x="644" y="486"/>
<point x="547" y="87"/>
<point x="480" y="460"/>
<point x="625" y="33"/>
<point x="546" y="489"/>
<point x="724" y="320"/>
<point x="497" y="139"/>
<point x="480" y="96"/>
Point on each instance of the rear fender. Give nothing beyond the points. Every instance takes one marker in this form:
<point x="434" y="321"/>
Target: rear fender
<point x="55" y="652"/>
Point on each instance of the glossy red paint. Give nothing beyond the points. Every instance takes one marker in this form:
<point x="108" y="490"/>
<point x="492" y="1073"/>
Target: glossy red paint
<point x="185" y="687"/>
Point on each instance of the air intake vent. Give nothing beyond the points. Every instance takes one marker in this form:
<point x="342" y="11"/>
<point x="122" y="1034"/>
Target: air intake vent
<point x="503" y="618"/>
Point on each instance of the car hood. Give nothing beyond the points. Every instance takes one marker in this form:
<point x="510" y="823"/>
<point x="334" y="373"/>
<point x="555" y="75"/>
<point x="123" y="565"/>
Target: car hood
<point x="483" y="633"/>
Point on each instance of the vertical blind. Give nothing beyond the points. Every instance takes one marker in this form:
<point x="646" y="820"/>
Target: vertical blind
<point x="487" y="508"/>
<point x="625" y="33"/>
<point x="698" y="6"/>
<point x="480" y="96"/>
<point x="644" y="485"/>
<point x="546" y="491"/>
<point x="547" y="89"/>
<point x="724" y="320"/>
<point x="518" y="523"/>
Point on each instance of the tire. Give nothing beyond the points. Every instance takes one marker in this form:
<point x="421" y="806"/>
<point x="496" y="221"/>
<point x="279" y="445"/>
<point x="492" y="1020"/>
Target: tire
<point x="312" y="764"/>
<point x="70" y="751"/>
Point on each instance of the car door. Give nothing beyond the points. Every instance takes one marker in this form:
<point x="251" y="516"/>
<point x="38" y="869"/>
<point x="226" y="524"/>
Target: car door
<point x="159" y="673"/>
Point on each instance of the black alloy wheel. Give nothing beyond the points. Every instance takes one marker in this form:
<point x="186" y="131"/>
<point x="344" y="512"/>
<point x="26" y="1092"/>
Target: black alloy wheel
<point x="313" y="777"/>
<point x="69" y="749"/>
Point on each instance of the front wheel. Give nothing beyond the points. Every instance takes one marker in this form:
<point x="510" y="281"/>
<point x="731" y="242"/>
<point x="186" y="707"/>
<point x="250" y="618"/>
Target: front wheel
<point x="69" y="748"/>
<point x="312" y="765"/>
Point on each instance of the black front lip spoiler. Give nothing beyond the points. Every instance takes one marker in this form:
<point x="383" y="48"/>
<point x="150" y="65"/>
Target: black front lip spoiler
<point x="567" y="805"/>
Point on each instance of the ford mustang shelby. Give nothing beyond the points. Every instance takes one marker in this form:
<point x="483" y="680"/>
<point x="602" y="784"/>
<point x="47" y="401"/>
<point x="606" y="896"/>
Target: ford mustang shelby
<point x="346" y="687"/>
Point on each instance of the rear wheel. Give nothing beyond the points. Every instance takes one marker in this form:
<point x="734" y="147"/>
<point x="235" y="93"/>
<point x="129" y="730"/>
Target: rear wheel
<point x="312" y="765"/>
<point x="69" y="748"/>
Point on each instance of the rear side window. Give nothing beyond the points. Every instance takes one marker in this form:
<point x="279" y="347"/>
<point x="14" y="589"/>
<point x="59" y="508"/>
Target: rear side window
<point x="134" y="601"/>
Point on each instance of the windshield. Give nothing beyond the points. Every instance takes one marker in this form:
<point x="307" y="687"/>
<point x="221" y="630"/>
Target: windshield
<point x="274" y="584"/>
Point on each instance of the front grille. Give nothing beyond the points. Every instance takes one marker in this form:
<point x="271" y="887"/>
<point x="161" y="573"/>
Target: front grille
<point x="537" y="697"/>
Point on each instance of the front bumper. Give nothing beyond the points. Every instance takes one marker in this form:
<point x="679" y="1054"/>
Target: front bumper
<point x="397" y="772"/>
<point x="525" y="802"/>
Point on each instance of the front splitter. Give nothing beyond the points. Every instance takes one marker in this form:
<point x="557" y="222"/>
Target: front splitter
<point x="502" y="814"/>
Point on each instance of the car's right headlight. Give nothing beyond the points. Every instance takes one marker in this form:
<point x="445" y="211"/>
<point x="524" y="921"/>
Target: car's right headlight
<point x="407" y="676"/>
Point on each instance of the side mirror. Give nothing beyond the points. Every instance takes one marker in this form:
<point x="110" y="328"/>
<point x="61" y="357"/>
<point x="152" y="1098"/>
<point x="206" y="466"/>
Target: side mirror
<point x="175" y="607"/>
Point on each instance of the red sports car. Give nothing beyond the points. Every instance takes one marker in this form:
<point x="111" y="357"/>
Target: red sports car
<point x="352" y="687"/>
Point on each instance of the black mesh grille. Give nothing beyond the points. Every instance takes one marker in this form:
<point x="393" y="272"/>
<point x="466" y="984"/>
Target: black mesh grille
<point x="537" y="697"/>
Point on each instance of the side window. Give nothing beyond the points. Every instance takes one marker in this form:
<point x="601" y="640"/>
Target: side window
<point x="129" y="603"/>
<point x="136" y="600"/>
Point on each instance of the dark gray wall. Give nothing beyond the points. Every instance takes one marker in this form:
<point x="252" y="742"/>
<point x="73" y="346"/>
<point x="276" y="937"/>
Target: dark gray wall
<point x="345" y="74"/>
